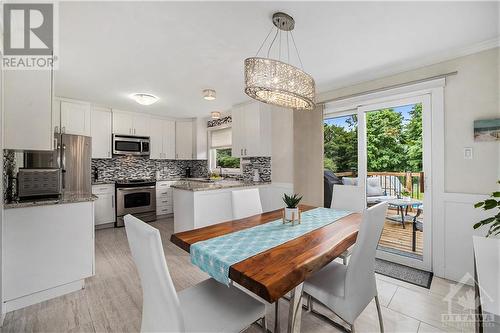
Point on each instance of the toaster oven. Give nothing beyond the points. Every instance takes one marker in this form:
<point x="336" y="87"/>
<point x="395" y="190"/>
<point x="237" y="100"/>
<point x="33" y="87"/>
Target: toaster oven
<point x="38" y="183"/>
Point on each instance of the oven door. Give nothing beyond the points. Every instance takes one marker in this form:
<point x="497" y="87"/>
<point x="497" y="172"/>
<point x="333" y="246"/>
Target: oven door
<point x="131" y="200"/>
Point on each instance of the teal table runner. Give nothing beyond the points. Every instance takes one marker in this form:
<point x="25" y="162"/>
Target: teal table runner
<point x="214" y="256"/>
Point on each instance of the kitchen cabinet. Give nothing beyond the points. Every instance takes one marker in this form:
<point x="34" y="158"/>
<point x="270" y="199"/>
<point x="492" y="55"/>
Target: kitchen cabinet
<point x="101" y="122"/>
<point x="184" y="140"/>
<point x="75" y="117"/>
<point x="104" y="211"/>
<point x="251" y="130"/>
<point x="47" y="251"/>
<point x="27" y="109"/>
<point x="164" y="198"/>
<point x="129" y="123"/>
<point x="162" y="136"/>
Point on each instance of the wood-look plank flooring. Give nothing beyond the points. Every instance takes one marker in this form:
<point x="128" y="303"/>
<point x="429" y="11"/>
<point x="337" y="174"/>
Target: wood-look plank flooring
<point x="397" y="238"/>
<point x="112" y="301"/>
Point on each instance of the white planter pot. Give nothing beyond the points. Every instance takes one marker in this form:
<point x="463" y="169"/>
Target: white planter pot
<point x="487" y="254"/>
<point x="291" y="214"/>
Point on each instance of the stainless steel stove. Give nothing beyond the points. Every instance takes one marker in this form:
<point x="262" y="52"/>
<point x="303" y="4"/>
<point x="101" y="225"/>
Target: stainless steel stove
<point x="136" y="197"/>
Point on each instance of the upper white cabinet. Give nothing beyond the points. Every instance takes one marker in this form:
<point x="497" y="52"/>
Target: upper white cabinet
<point x="251" y="130"/>
<point x="101" y="122"/>
<point x="129" y="123"/>
<point x="75" y="117"/>
<point x="162" y="136"/>
<point x="184" y="140"/>
<point x="28" y="110"/>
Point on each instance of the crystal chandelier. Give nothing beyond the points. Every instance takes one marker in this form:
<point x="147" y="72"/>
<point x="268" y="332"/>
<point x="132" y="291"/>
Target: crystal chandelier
<point x="274" y="81"/>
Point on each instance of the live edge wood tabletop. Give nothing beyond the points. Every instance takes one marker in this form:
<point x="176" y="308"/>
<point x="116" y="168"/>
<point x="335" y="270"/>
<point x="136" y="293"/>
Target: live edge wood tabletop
<point x="273" y="273"/>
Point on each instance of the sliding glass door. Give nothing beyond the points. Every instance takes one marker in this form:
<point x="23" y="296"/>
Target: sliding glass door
<point x="395" y="142"/>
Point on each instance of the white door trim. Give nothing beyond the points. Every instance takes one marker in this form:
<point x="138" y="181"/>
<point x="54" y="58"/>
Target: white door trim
<point x="435" y="89"/>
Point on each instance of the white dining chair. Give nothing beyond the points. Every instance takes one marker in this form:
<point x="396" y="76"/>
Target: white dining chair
<point x="246" y="203"/>
<point x="205" y="307"/>
<point x="349" y="198"/>
<point x="347" y="290"/>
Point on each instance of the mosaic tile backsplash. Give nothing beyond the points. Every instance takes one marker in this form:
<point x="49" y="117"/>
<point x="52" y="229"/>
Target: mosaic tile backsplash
<point x="119" y="167"/>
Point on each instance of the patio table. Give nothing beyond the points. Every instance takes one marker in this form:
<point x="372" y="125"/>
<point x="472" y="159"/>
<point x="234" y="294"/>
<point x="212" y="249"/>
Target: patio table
<point x="402" y="206"/>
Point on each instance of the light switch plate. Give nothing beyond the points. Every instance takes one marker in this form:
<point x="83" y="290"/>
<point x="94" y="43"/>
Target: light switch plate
<point x="467" y="153"/>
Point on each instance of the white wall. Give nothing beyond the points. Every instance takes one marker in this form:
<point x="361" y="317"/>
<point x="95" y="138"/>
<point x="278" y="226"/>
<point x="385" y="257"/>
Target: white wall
<point x="471" y="94"/>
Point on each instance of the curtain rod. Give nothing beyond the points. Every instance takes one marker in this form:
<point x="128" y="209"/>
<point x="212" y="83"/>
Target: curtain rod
<point x="399" y="85"/>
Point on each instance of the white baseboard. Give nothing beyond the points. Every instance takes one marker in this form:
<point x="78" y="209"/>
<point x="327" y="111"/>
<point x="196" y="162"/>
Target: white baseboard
<point x="44" y="295"/>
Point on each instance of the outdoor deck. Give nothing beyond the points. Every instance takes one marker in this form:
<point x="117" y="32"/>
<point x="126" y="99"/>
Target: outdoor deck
<point x="398" y="240"/>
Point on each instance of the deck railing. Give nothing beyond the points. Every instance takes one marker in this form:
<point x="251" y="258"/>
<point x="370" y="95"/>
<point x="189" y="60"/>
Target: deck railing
<point x="393" y="183"/>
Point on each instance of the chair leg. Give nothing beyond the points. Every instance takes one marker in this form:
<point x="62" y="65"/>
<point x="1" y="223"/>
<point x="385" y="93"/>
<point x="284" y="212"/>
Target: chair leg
<point x="309" y="303"/>
<point x="276" y="317"/>
<point x="379" y="311"/>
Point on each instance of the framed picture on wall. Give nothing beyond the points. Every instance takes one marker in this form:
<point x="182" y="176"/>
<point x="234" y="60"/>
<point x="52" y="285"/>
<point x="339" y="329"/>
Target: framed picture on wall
<point x="487" y="130"/>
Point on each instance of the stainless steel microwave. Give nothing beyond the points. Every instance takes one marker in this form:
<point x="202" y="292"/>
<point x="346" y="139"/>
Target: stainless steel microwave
<point x="130" y="145"/>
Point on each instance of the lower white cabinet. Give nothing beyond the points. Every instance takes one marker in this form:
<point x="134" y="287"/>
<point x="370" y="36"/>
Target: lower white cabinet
<point x="195" y="209"/>
<point x="164" y="198"/>
<point x="105" y="204"/>
<point x="47" y="251"/>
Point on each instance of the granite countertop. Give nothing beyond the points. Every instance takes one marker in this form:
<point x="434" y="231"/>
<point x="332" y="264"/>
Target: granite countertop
<point x="66" y="198"/>
<point x="217" y="185"/>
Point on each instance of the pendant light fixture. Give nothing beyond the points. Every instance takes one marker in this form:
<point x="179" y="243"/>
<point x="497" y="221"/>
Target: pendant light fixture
<point x="274" y="81"/>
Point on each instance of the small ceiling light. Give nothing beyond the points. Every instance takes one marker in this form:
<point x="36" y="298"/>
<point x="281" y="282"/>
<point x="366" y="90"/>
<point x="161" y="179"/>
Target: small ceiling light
<point x="215" y="115"/>
<point x="144" y="99"/>
<point x="209" y="94"/>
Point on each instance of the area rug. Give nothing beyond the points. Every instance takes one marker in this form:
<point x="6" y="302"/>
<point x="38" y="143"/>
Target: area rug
<point x="404" y="273"/>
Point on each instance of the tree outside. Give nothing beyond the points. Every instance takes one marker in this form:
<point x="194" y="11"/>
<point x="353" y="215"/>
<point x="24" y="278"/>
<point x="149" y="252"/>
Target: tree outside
<point x="225" y="160"/>
<point x="394" y="142"/>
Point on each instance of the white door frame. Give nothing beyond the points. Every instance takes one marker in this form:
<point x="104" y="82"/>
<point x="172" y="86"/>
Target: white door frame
<point x="435" y="90"/>
<point x="425" y="263"/>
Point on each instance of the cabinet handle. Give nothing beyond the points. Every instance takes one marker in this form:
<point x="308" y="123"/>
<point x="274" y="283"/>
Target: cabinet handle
<point x="241" y="152"/>
<point x="56" y="129"/>
<point x="134" y="130"/>
<point x="245" y="152"/>
<point x="112" y="201"/>
<point x="64" y="129"/>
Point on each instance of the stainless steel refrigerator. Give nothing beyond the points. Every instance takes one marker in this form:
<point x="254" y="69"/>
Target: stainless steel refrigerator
<point x="72" y="155"/>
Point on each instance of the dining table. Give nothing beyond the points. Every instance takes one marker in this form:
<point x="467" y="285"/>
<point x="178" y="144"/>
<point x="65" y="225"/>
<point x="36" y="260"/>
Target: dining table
<point x="281" y="270"/>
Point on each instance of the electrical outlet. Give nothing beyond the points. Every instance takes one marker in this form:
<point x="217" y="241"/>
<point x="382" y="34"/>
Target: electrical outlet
<point x="467" y="153"/>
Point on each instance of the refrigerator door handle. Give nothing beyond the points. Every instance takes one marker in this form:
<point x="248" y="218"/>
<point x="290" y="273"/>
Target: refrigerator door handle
<point x="63" y="165"/>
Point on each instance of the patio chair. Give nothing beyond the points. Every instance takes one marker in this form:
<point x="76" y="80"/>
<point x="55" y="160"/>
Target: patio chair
<point x="418" y="225"/>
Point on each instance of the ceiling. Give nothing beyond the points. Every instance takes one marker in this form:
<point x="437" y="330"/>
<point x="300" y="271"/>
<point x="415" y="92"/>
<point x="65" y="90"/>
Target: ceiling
<point x="109" y="50"/>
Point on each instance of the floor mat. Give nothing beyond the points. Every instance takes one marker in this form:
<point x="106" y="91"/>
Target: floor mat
<point x="404" y="273"/>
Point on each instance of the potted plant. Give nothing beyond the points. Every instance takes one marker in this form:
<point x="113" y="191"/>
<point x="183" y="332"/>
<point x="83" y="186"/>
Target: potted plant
<point x="406" y="195"/>
<point x="487" y="254"/>
<point x="291" y="209"/>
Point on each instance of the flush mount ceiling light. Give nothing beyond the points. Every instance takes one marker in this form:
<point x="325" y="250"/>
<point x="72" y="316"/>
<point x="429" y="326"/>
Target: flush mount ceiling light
<point x="277" y="82"/>
<point x="209" y="94"/>
<point x="215" y="114"/>
<point x="144" y="99"/>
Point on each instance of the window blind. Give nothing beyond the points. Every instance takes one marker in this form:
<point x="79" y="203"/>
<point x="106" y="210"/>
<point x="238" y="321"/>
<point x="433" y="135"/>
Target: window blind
<point x="221" y="138"/>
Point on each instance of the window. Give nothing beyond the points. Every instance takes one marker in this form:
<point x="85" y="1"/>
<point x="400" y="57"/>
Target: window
<point x="220" y="152"/>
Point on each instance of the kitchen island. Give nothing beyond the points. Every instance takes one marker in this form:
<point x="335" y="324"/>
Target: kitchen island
<point x="198" y="203"/>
